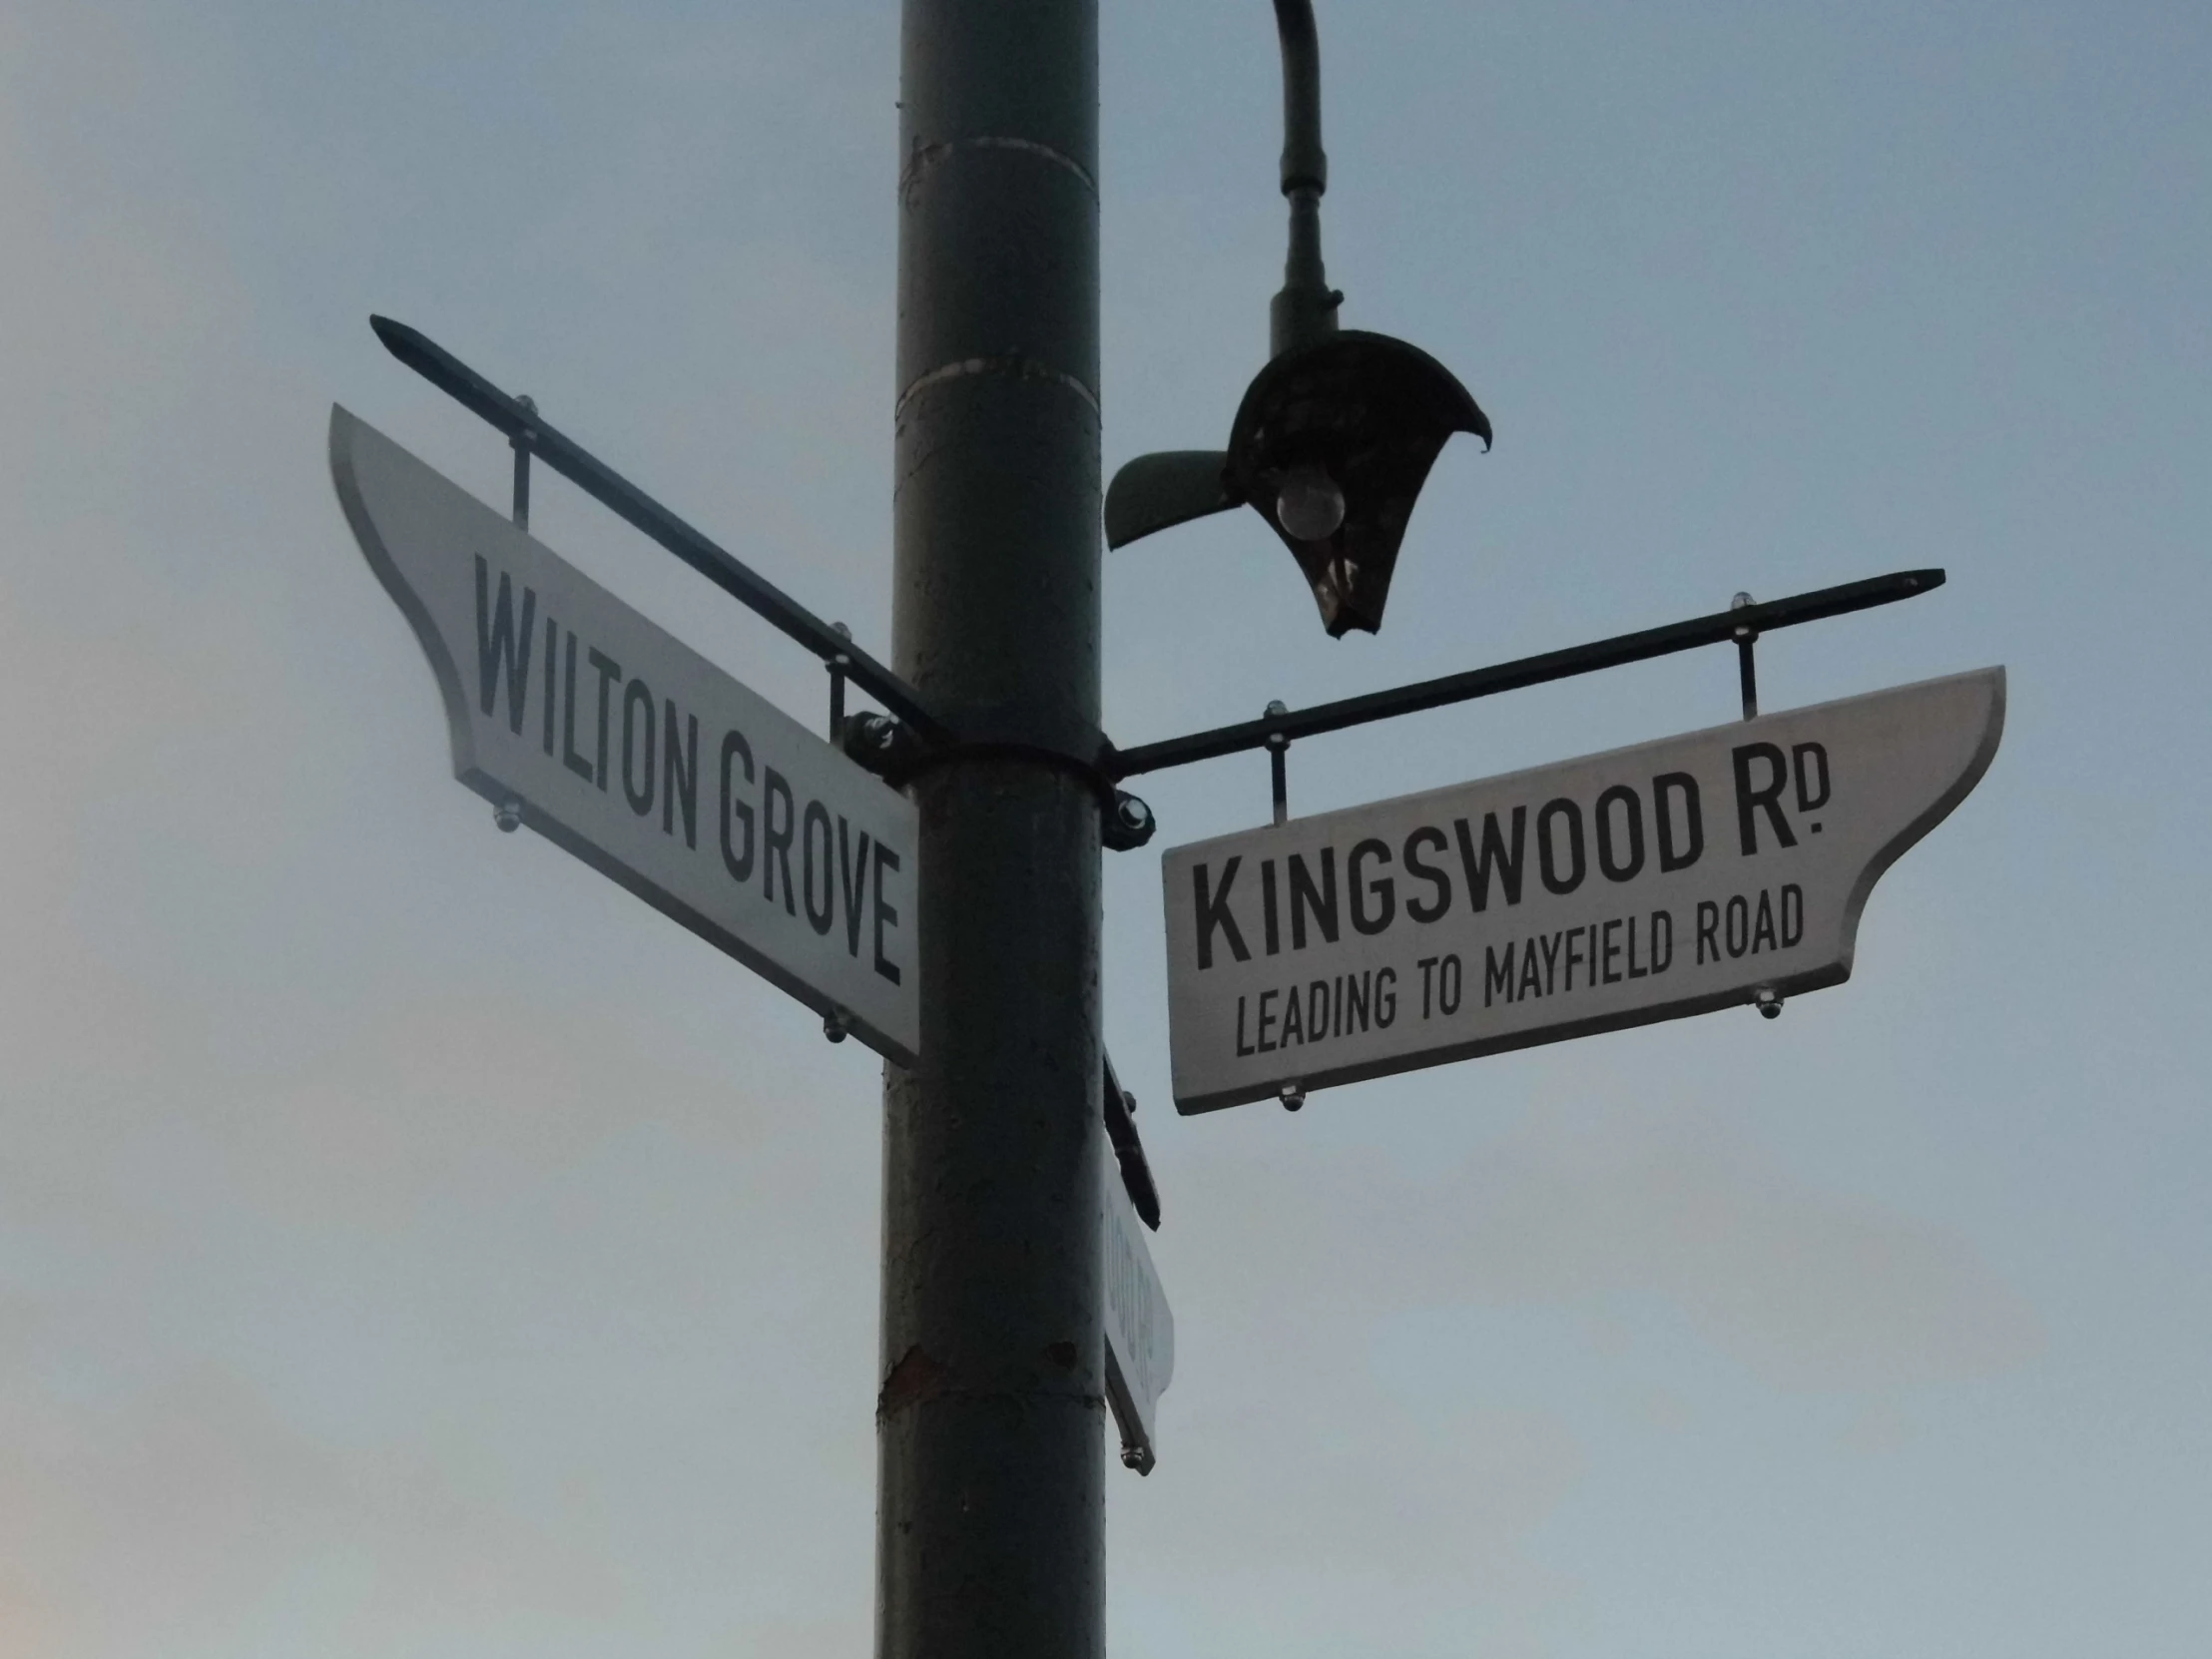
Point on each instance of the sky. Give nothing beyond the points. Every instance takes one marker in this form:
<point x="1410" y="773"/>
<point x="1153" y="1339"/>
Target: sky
<point x="411" y="1244"/>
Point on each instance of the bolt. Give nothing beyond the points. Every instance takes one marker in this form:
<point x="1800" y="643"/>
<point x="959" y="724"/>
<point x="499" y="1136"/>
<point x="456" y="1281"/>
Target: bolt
<point x="835" y="1025"/>
<point x="1768" y="1003"/>
<point x="1293" y="1096"/>
<point x="1133" y="814"/>
<point x="1129" y="1103"/>
<point x="1743" y="630"/>
<point x="508" y="815"/>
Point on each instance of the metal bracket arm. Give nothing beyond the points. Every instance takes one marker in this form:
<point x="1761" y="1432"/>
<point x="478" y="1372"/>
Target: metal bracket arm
<point x="527" y="431"/>
<point x="1527" y="671"/>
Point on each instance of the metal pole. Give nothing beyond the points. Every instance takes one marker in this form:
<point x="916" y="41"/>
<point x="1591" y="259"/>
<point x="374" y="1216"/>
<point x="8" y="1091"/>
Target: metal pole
<point x="989" y="1425"/>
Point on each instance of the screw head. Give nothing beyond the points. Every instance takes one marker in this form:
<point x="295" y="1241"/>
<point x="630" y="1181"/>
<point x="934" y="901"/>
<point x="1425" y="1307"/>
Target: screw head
<point x="508" y="815"/>
<point x="1768" y="1004"/>
<point x="1134" y="814"/>
<point x="1293" y="1096"/>
<point x="836" y="1026"/>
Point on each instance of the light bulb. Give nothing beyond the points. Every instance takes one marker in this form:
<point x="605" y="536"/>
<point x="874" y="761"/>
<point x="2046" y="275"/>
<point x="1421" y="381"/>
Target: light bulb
<point x="1311" y="504"/>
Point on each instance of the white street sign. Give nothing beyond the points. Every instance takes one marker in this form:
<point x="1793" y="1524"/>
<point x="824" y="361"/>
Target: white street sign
<point x="1612" y="891"/>
<point x="1140" y="1331"/>
<point x="639" y="755"/>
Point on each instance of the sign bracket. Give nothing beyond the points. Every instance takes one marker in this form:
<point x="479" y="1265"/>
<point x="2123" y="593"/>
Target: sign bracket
<point x="1733" y="623"/>
<point x="1747" y="665"/>
<point x="517" y="418"/>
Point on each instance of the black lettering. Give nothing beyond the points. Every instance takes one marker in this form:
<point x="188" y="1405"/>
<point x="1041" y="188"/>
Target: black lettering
<point x="1748" y="800"/>
<point x="1574" y="959"/>
<point x="886" y="858"/>
<point x="1214" y="914"/>
<point x="775" y="843"/>
<point x="1672" y="855"/>
<point x="1625" y="867"/>
<point x="1267" y="1020"/>
<point x="496" y="635"/>
<point x="1317" y="1010"/>
<point x="609" y="675"/>
<point x="1358" y="1004"/>
<point x="1243" y="1047"/>
<point x="1763" y="927"/>
<point x="578" y="764"/>
<point x="635" y="696"/>
<point x="1451" y="983"/>
<point x="1271" y="935"/>
<point x="1551" y="943"/>
<point x="1708" y="930"/>
<point x="1608" y="952"/>
<point x="818" y="815"/>
<point x="852" y="883"/>
<point x="552" y="642"/>
<point x="1566" y="812"/>
<point x="1494" y="857"/>
<point x="1662" y="934"/>
<point x="1294" y="1019"/>
<point x="1386" y="994"/>
<point x="1793" y="914"/>
<point x="1305" y="898"/>
<point x="1497" y="976"/>
<point x="680" y="774"/>
<point x="739" y="865"/>
<point x="1634" y="973"/>
<point x="1532" y="980"/>
<point x="1427" y="966"/>
<point x="1739" y="927"/>
<point x="1383" y="890"/>
<point x="1800" y="753"/>
<point x="1426" y="835"/>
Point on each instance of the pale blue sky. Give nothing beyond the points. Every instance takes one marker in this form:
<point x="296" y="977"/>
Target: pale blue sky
<point x="411" y="1244"/>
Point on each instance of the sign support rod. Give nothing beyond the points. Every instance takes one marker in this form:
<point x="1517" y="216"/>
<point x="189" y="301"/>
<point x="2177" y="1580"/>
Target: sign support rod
<point x="991" y="1511"/>
<point x="518" y="418"/>
<point x="1274" y="728"/>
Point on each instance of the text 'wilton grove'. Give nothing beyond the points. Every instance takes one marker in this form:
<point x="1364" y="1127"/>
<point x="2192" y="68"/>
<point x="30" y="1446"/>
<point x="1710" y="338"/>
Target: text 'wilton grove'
<point x="615" y="734"/>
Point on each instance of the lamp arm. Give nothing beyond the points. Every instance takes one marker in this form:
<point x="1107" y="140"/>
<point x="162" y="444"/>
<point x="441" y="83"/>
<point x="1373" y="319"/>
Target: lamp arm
<point x="1305" y="309"/>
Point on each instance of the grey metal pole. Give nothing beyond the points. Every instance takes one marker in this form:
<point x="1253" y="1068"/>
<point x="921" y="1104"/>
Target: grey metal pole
<point x="989" y="1425"/>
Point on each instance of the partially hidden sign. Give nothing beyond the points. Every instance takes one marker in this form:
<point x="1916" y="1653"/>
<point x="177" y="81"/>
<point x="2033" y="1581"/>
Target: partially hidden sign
<point x="1617" y="889"/>
<point x="1140" y="1331"/>
<point x="624" y="746"/>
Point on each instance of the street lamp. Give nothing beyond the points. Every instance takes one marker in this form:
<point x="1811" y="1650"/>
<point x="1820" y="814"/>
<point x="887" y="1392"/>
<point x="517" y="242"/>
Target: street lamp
<point x="1336" y="435"/>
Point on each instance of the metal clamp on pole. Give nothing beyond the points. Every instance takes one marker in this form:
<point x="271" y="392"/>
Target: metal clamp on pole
<point x="1747" y="667"/>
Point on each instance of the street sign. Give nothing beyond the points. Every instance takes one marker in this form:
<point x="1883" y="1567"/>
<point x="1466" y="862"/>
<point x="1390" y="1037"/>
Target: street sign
<point x="575" y="714"/>
<point x="1140" y="1331"/>
<point x="1725" y="866"/>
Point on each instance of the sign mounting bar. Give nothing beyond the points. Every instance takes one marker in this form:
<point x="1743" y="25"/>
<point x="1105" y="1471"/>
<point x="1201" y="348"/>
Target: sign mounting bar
<point x="527" y="431"/>
<point x="1526" y="671"/>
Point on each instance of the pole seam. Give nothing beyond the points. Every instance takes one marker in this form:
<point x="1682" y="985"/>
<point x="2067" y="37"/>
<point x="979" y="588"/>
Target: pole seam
<point x="927" y="156"/>
<point x="1012" y="364"/>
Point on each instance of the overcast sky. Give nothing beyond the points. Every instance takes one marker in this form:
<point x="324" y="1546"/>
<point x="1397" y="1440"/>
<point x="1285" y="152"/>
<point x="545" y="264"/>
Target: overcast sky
<point x="411" y="1244"/>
